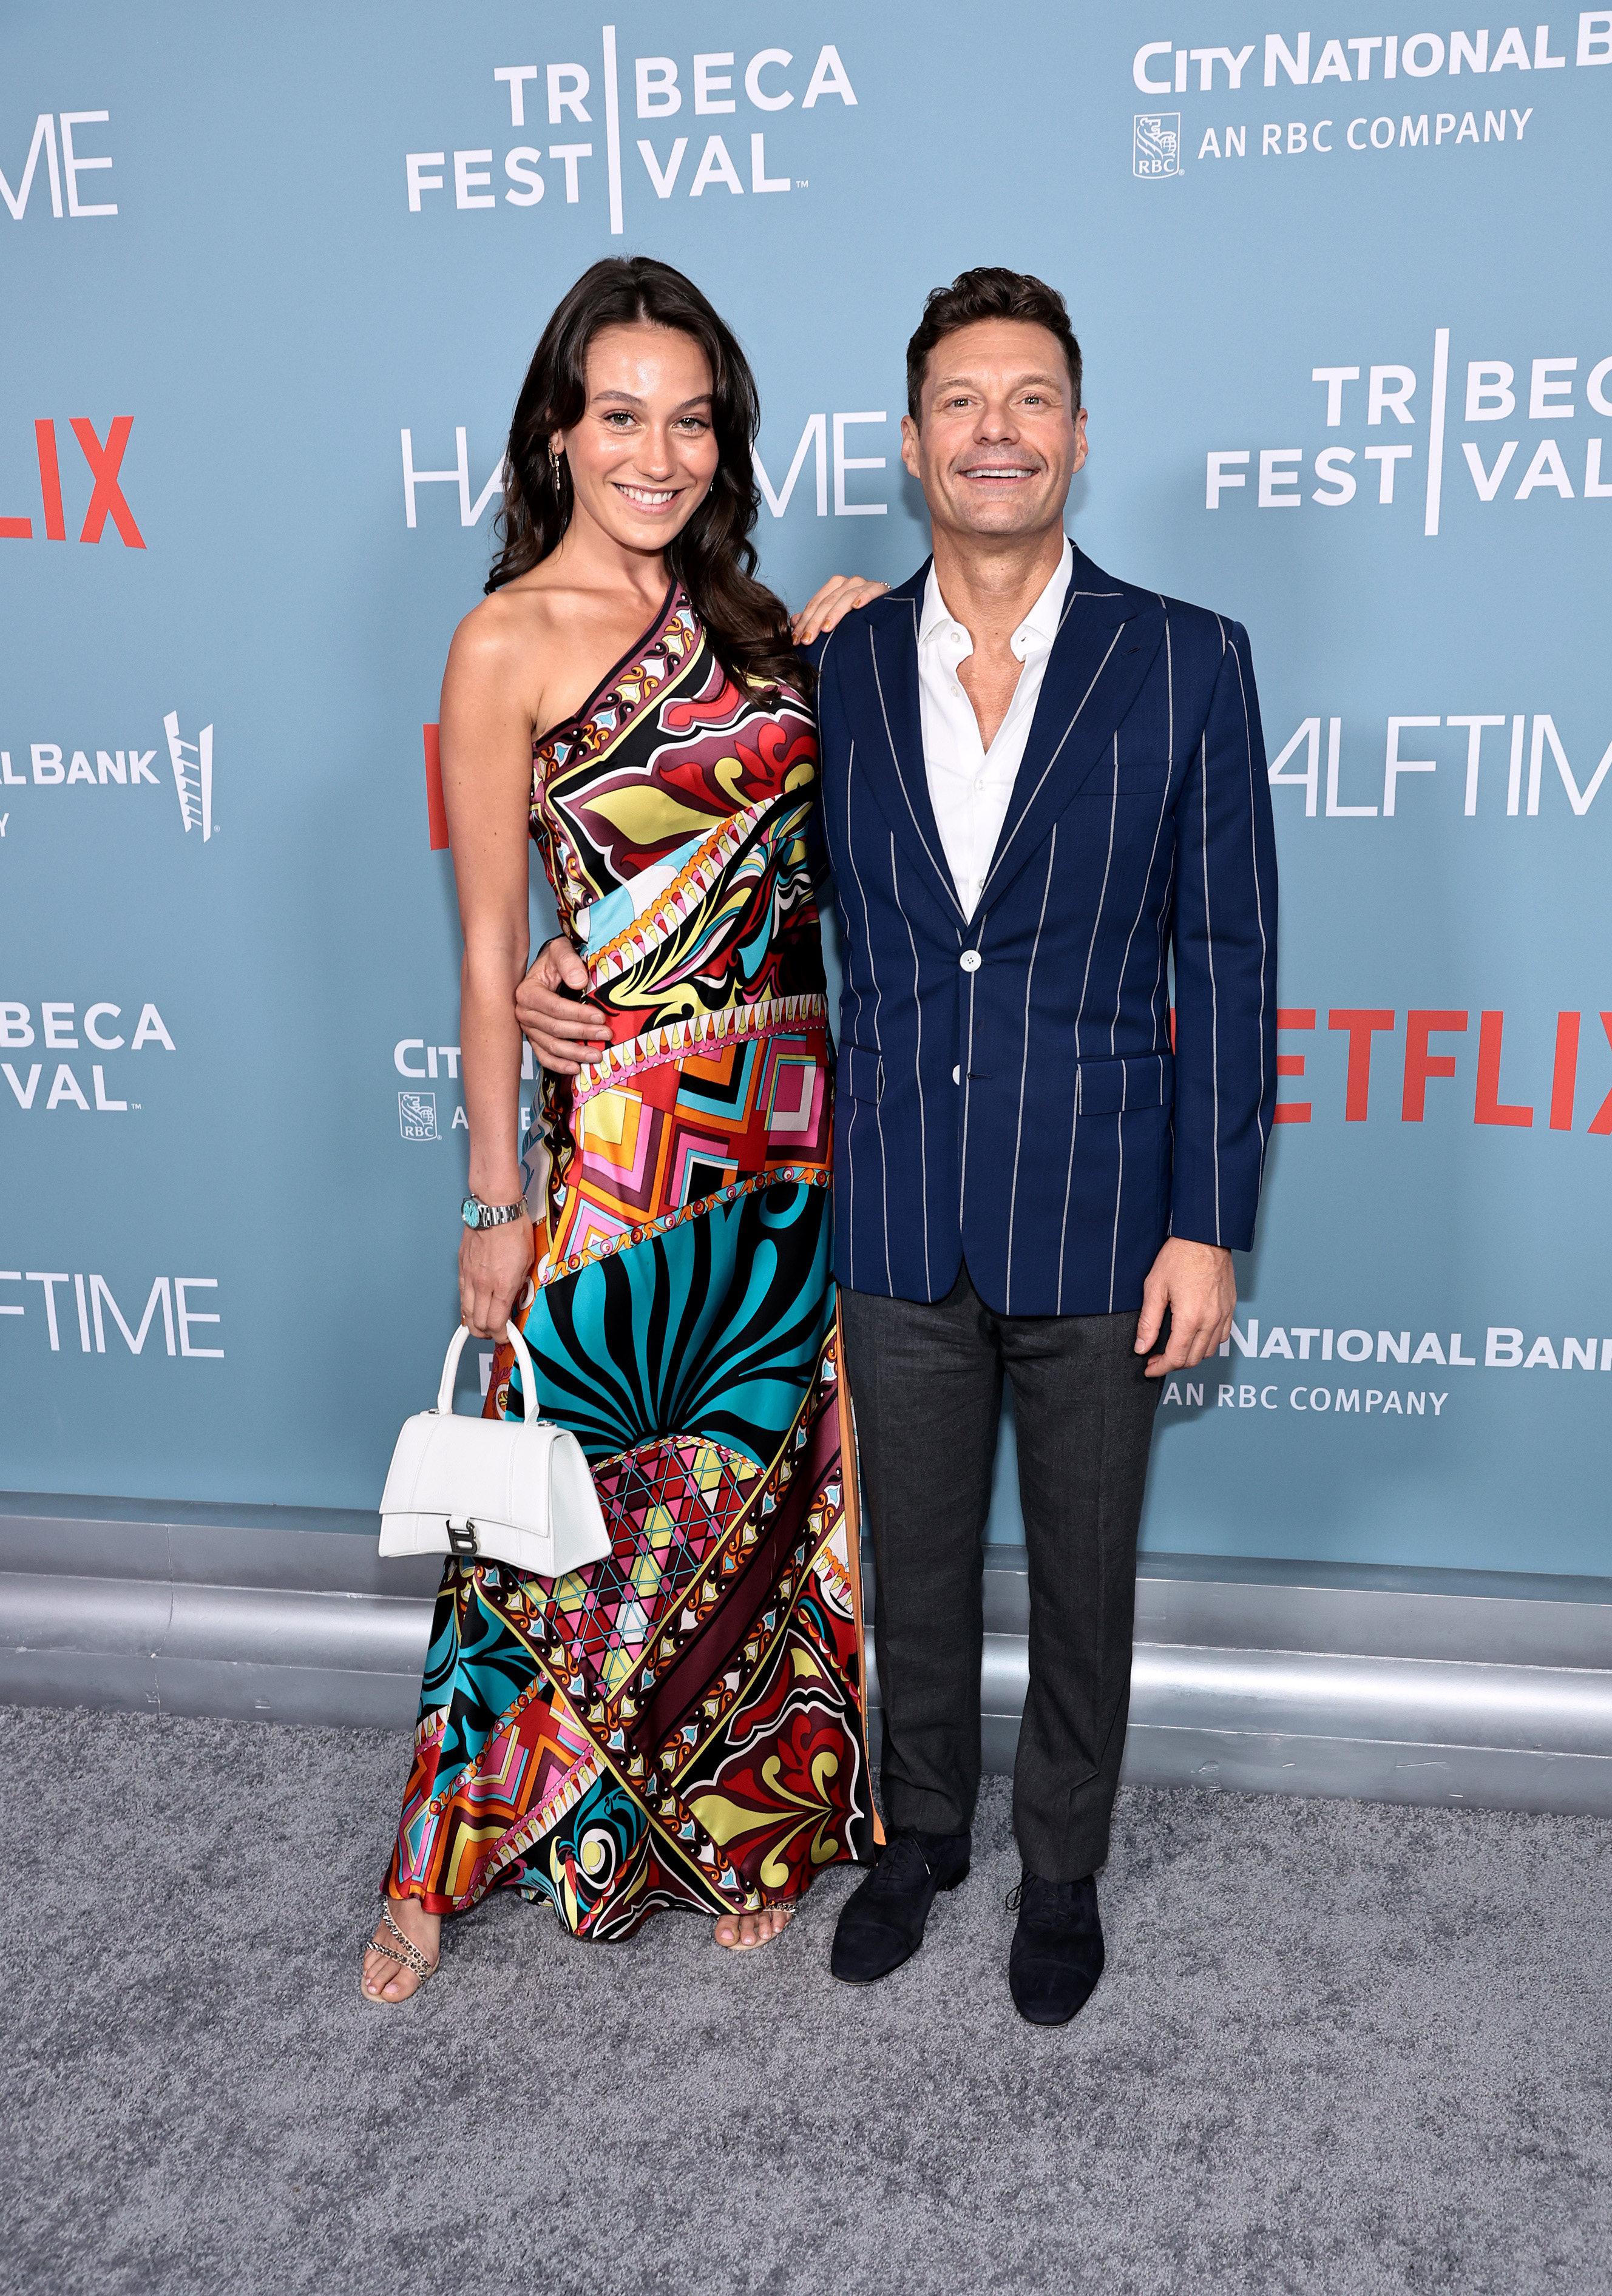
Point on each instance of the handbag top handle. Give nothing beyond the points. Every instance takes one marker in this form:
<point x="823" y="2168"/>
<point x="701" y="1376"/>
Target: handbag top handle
<point x="456" y="1348"/>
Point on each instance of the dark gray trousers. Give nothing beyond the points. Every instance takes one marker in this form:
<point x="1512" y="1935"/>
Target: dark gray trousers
<point x="926" y="1388"/>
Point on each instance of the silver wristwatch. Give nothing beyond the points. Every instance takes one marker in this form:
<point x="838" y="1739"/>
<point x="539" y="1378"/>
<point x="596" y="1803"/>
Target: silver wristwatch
<point x="475" y="1214"/>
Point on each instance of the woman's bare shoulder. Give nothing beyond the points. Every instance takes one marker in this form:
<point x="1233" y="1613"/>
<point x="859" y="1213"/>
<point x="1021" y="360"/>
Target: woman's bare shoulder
<point x="502" y="650"/>
<point x="507" y="627"/>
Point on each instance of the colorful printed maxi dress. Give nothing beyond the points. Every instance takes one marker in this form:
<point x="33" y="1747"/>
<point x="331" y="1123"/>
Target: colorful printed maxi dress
<point x="681" y="1724"/>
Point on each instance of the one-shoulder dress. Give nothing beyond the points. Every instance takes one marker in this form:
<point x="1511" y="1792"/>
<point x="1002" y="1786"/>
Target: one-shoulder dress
<point x="683" y="1722"/>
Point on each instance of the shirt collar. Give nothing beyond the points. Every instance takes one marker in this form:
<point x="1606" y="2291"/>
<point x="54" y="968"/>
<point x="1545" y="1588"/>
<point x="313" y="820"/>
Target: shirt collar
<point x="1040" y="625"/>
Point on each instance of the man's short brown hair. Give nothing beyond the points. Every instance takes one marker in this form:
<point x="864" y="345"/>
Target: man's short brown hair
<point x="989" y="292"/>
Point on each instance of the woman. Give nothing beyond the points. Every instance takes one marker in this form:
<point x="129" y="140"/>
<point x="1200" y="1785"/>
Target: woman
<point x="681" y="1724"/>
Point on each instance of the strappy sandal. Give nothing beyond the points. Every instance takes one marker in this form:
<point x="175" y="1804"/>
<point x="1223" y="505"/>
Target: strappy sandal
<point x="405" y="1952"/>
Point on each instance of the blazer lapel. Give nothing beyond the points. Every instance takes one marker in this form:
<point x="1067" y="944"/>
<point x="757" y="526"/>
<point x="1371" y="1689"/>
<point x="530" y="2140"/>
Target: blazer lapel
<point x="1105" y="647"/>
<point x="890" y="745"/>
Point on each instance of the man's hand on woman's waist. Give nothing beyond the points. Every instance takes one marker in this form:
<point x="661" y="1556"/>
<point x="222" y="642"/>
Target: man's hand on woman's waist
<point x="565" y="1031"/>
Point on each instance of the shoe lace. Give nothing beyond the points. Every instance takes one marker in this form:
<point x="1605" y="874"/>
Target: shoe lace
<point x="900" y="1865"/>
<point x="1051" y="1904"/>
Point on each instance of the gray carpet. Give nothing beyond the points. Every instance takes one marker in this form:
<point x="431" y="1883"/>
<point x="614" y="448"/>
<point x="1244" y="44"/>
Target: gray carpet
<point x="1338" y="2048"/>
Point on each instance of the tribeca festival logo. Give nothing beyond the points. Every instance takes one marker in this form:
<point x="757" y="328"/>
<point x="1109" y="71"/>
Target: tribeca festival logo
<point x="770" y="82"/>
<point x="1391" y="62"/>
<point x="1157" y="145"/>
<point x="1559" y="386"/>
<point x="59" y="1030"/>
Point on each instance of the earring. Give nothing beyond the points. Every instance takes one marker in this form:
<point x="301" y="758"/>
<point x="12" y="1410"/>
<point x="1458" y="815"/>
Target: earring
<point x="553" y="462"/>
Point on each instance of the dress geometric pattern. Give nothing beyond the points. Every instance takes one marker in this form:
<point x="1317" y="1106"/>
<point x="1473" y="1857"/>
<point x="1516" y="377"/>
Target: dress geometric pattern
<point x="683" y="1722"/>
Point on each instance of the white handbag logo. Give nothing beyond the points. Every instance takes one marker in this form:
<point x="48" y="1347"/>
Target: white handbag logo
<point x="495" y="1490"/>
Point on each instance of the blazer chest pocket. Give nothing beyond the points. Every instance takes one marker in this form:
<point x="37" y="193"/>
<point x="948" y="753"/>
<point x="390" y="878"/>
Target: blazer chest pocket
<point x="1139" y="778"/>
<point x="1110" y="1087"/>
<point x="861" y="1074"/>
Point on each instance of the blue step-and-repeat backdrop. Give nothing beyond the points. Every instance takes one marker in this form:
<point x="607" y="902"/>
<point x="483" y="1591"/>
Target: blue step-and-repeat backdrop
<point x="270" y="281"/>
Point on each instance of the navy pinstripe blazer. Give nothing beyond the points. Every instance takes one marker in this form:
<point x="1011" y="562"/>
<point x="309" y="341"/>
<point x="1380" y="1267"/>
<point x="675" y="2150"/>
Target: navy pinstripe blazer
<point x="1007" y="1091"/>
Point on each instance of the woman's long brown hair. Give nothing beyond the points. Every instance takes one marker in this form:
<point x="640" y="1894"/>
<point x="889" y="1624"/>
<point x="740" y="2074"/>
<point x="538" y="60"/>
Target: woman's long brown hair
<point x="713" y="556"/>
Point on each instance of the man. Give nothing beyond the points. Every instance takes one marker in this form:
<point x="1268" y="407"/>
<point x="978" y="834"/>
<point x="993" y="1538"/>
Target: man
<point x="1041" y="785"/>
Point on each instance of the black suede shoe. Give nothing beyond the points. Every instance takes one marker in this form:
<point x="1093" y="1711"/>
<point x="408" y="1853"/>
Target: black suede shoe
<point x="1058" y="1948"/>
<point x="881" y="1923"/>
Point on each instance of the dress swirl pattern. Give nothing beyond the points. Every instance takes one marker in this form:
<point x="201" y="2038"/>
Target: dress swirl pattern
<point x="683" y="1722"/>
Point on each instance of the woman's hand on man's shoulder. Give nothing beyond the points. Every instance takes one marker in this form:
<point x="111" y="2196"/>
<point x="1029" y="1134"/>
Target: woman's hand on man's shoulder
<point x="840" y="596"/>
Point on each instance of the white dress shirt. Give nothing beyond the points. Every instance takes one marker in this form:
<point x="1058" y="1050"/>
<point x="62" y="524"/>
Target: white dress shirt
<point x="970" y="786"/>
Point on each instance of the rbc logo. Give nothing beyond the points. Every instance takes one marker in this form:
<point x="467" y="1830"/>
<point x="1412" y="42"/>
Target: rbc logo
<point x="417" y="1115"/>
<point x="1156" y="149"/>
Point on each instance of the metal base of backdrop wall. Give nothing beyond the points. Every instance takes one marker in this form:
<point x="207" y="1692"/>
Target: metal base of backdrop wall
<point x="1437" y="1687"/>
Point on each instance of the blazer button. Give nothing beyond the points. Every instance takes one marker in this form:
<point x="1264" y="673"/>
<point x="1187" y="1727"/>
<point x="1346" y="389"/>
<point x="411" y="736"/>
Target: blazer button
<point x="970" y="960"/>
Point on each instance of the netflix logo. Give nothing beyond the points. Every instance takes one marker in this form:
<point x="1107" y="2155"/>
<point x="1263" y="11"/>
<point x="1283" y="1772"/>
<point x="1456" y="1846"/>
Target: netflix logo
<point x="1419" y="1055"/>
<point x="107" y="499"/>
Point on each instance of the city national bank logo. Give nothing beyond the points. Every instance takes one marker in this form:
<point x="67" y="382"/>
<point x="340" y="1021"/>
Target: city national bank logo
<point x="193" y="782"/>
<point x="52" y="765"/>
<point x="412" y="1057"/>
<point x="1157" y="145"/>
<point x="1303" y="1374"/>
<point x="755" y="104"/>
<point x="1377" y="97"/>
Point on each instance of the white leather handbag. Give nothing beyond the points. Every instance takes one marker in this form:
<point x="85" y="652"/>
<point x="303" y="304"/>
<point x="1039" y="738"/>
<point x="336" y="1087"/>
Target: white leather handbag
<point x="491" y="1490"/>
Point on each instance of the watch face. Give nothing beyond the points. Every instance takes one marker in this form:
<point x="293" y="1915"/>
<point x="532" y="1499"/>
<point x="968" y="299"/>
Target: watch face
<point x="470" y="1212"/>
